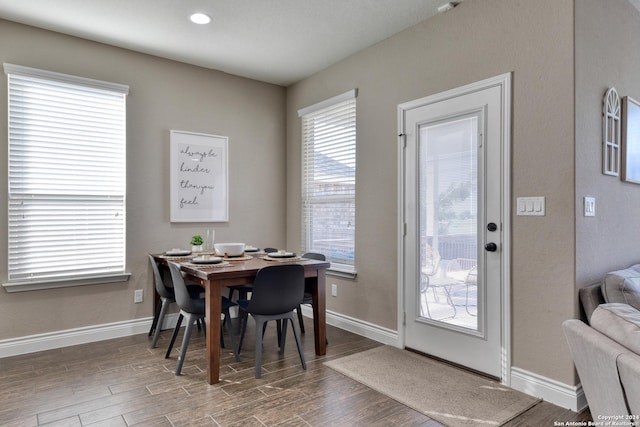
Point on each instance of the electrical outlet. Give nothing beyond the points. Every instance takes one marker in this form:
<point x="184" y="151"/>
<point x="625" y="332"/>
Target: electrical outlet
<point x="138" y="296"/>
<point x="334" y="290"/>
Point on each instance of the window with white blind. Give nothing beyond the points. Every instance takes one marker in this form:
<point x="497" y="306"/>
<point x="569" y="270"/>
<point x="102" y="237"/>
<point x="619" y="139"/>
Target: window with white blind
<point x="67" y="180"/>
<point x="329" y="180"/>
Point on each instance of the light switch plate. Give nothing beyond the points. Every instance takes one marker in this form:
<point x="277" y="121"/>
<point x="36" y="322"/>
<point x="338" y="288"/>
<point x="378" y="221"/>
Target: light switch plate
<point x="589" y="206"/>
<point x="531" y="206"/>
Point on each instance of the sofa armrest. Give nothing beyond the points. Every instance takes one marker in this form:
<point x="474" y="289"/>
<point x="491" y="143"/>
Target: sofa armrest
<point x="595" y="358"/>
<point x="629" y="368"/>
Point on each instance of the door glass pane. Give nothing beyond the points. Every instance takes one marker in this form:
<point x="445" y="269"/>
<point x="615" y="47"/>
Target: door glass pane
<point x="448" y="200"/>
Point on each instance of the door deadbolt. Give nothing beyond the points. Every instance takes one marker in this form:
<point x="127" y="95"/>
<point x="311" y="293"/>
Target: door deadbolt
<point x="491" y="247"/>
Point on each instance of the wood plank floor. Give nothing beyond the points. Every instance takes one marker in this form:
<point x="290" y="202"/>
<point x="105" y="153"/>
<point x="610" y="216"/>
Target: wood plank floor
<point x="122" y="382"/>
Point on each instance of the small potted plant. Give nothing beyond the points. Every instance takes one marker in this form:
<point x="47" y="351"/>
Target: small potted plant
<point x="196" y="243"/>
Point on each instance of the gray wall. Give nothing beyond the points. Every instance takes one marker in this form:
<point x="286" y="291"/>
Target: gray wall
<point x="607" y="55"/>
<point x="476" y="40"/>
<point x="164" y="95"/>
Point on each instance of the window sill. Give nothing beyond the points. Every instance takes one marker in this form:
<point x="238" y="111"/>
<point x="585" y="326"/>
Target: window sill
<point x="64" y="283"/>
<point x="344" y="274"/>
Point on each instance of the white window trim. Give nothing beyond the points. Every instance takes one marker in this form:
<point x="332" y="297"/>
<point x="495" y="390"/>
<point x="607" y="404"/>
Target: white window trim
<point x="350" y="94"/>
<point x="24" y="285"/>
<point x="54" y="284"/>
<point x="51" y="75"/>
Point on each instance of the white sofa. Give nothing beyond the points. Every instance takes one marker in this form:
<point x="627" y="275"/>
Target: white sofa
<point x="606" y="351"/>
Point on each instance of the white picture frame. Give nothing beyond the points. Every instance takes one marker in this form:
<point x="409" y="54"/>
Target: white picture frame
<point x="198" y="174"/>
<point x="611" y="133"/>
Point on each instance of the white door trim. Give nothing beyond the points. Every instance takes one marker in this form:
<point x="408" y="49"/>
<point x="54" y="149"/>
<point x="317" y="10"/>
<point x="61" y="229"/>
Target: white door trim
<point x="504" y="82"/>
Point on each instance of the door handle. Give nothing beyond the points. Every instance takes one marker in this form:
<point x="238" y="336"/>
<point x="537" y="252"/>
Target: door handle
<point x="491" y="247"/>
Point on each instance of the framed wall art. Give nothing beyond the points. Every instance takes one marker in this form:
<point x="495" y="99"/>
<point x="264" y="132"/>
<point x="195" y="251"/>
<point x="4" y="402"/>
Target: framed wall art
<point x="630" y="140"/>
<point x="611" y="133"/>
<point x="198" y="177"/>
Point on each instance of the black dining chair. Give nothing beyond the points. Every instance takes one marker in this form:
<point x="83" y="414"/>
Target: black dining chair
<point x="167" y="297"/>
<point x="277" y="291"/>
<point x="308" y="298"/>
<point x="193" y="309"/>
<point x="243" y="290"/>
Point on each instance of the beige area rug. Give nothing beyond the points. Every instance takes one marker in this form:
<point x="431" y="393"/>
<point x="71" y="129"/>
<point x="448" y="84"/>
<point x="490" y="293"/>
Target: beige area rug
<point x="449" y="395"/>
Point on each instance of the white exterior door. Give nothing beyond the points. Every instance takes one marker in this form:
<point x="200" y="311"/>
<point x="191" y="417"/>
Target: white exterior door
<point x="454" y="171"/>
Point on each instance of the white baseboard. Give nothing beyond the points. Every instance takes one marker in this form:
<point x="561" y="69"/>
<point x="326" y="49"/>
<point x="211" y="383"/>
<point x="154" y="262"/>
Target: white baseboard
<point x="560" y="394"/>
<point x="358" y="327"/>
<point x="58" y="339"/>
<point x="69" y="337"/>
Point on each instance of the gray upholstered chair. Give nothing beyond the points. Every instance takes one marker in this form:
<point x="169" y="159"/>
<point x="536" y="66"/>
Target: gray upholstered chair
<point x="629" y="369"/>
<point x="590" y="298"/>
<point x="277" y="291"/>
<point x="192" y="309"/>
<point x="595" y="357"/>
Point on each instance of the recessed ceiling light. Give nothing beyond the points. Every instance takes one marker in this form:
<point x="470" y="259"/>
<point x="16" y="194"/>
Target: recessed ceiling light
<point x="200" y="18"/>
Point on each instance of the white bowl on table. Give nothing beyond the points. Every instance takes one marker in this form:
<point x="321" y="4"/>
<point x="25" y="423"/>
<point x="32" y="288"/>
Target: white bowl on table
<point x="229" y="249"/>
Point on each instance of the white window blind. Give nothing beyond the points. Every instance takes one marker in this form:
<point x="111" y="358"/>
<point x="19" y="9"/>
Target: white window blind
<point x="329" y="179"/>
<point x="67" y="178"/>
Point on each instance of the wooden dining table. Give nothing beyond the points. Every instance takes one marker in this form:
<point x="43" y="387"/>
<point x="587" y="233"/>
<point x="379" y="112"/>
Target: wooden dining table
<point x="235" y="273"/>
